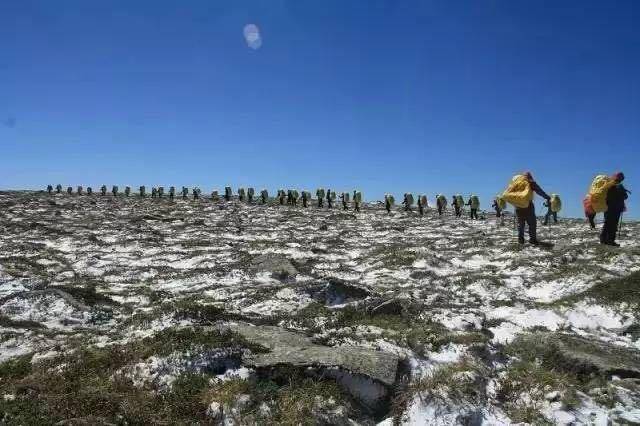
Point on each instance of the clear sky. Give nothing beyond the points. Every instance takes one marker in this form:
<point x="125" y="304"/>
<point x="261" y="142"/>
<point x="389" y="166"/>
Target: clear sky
<point x="383" y="96"/>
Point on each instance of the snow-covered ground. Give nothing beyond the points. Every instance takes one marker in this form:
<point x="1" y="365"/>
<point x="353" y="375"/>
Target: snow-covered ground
<point x="115" y="260"/>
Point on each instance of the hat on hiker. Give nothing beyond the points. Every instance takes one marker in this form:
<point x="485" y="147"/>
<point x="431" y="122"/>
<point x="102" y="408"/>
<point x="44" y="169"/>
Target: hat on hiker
<point x="618" y="176"/>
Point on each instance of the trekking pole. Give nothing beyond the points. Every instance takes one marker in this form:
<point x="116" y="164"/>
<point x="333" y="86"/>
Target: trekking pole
<point x="620" y="224"/>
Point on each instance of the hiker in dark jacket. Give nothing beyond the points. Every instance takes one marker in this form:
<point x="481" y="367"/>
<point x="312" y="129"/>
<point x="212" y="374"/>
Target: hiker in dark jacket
<point x="616" y="197"/>
<point x="550" y="213"/>
<point x="456" y="206"/>
<point x="329" y="199"/>
<point x="527" y="215"/>
<point x="497" y="208"/>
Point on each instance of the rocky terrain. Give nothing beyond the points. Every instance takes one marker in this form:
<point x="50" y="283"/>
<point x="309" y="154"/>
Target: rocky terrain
<point x="119" y="310"/>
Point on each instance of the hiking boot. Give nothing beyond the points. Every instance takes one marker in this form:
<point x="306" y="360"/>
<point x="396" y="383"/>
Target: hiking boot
<point x="534" y="242"/>
<point x="520" y="241"/>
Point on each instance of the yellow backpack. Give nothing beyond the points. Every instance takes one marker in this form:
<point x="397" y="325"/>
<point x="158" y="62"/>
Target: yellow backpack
<point x="598" y="192"/>
<point x="502" y="204"/>
<point x="519" y="192"/>
<point x="555" y="203"/>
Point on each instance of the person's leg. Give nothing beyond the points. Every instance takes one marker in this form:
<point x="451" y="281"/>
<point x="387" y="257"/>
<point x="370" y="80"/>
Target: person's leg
<point x="532" y="223"/>
<point x="521" y="221"/>
<point x="604" y="234"/>
<point x="613" y="230"/>
<point x="546" y="218"/>
<point x="555" y="217"/>
<point x="592" y="222"/>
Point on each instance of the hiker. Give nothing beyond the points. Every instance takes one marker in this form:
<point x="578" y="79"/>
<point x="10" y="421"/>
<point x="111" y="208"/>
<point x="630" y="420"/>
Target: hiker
<point x="185" y="192"/>
<point x="330" y="197"/>
<point x="264" y="196"/>
<point x="420" y="206"/>
<point x="196" y="193"/>
<point x="89" y="190"/>
<point x="388" y="202"/>
<point x="550" y="213"/>
<point x="456" y="205"/>
<point x="160" y="191"/>
<point x="79" y="190"/>
<point x="227" y="193"/>
<point x="305" y="199"/>
<point x="344" y="197"/>
<point x="441" y="203"/>
<point x="320" y="196"/>
<point x="408" y="201"/>
<point x="474" y="205"/>
<point x="49" y="189"/>
<point x="59" y="189"/>
<point x="527" y="215"/>
<point x="357" y="200"/>
<point x="172" y="192"/>
<point x="142" y="190"/>
<point x="497" y="208"/>
<point x="250" y="193"/>
<point x="127" y="191"/>
<point x="616" y="196"/>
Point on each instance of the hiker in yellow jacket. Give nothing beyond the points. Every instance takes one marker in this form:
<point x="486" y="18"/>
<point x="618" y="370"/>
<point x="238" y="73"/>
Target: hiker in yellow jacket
<point x="528" y="214"/>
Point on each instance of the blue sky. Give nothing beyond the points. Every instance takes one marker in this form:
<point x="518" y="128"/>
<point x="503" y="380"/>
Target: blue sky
<point x="382" y="96"/>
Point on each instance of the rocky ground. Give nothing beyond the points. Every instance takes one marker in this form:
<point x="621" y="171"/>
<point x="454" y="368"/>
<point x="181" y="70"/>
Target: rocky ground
<point x="121" y="310"/>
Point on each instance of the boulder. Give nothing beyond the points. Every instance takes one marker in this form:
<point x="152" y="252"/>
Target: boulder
<point x="279" y="266"/>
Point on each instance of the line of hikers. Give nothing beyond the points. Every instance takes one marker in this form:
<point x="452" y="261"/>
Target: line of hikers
<point x="606" y="194"/>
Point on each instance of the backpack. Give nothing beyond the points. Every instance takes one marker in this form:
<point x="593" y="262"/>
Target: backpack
<point x="320" y="193"/>
<point x="264" y="194"/>
<point x="441" y="200"/>
<point x="345" y="197"/>
<point x="459" y="201"/>
<point x="519" y="192"/>
<point x="502" y="204"/>
<point x="598" y="192"/>
<point x="390" y="199"/>
<point x="555" y="203"/>
<point x="475" y="202"/>
<point x="357" y="197"/>
<point x="409" y="199"/>
<point x="423" y="201"/>
<point x="251" y="192"/>
<point x="588" y="208"/>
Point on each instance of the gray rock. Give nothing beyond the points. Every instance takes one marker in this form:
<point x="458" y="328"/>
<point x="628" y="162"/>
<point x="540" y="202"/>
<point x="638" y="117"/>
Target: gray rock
<point x="279" y="266"/>
<point x="339" y="291"/>
<point x="365" y="373"/>
<point x="584" y="356"/>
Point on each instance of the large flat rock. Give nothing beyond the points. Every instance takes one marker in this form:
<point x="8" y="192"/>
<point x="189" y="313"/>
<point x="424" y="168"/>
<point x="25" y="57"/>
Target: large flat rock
<point x="583" y="355"/>
<point x="286" y="347"/>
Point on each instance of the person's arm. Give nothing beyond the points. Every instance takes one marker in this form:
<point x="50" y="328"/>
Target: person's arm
<point x="539" y="191"/>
